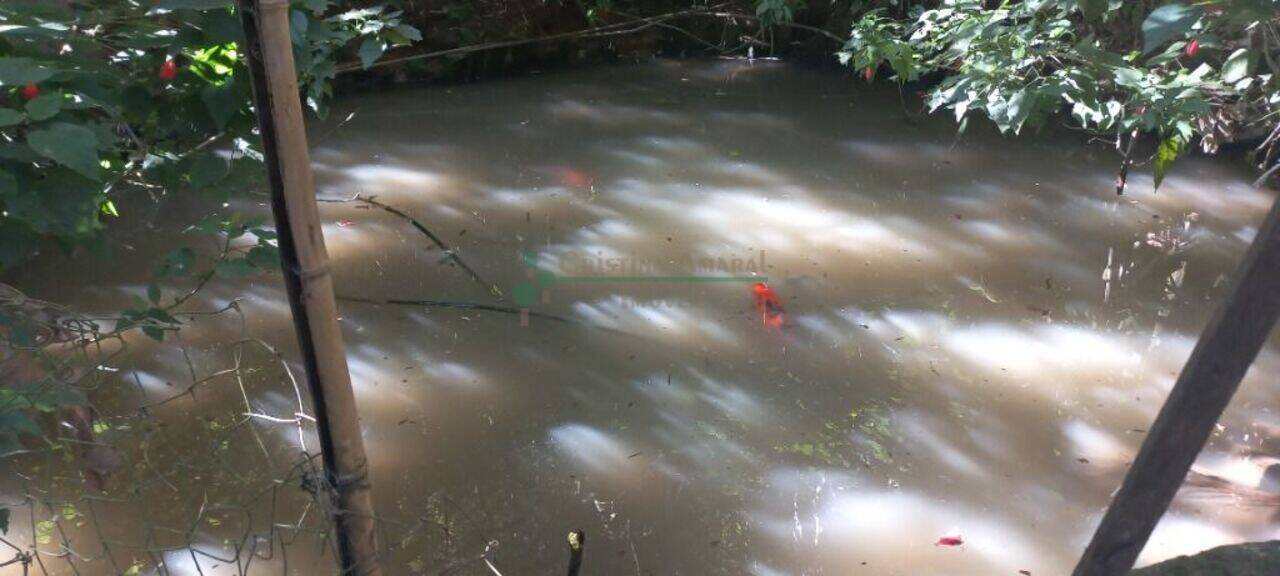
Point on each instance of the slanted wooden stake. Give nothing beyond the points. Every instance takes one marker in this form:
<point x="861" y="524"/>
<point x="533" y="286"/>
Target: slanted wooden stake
<point x="306" y="274"/>
<point x="1227" y="347"/>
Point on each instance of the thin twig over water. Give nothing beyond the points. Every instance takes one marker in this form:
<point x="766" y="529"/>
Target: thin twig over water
<point x="479" y="306"/>
<point x="449" y="252"/>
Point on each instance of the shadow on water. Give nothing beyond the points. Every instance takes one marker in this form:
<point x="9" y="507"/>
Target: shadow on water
<point x="978" y="331"/>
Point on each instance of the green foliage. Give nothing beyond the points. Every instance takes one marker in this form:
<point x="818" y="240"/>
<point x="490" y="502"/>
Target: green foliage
<point x="773" y="12"/>
<point x="140" y="95"/>
<point x="1166" y="23"/>
<point x="1020" y="64"/>
<point x="1170" y="149"/>
<point x="19" y="401"/>
<point x="88" y="110"/>
<point x="318" y="38"/>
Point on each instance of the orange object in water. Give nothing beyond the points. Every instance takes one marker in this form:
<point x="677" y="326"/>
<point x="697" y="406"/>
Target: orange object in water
<point x="574" y="178"/>
<point x="769" y="305"/>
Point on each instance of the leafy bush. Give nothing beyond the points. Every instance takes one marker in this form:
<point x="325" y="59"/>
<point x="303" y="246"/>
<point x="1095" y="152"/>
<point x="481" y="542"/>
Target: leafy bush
<point x="1176" y="71"/>
<point x="99" y="96"/>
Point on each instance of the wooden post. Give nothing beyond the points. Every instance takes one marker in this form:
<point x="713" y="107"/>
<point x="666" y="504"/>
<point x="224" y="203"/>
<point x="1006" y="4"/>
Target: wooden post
<point x="1210" y="378"/>
<point x="306" y="273"/>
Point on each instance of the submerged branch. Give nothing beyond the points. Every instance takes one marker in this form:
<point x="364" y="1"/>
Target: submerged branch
<point x="480" y="307"/>
<point x="457" y="306"/>
<point x="1126" y="151"/>
<point x="449" y="252"/>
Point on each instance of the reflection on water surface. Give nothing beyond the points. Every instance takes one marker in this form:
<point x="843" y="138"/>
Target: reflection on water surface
<point x="977" y="332"/>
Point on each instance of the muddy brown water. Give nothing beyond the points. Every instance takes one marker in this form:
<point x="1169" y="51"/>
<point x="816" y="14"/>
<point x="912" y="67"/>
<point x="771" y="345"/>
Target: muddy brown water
<point x="977" y="334"/>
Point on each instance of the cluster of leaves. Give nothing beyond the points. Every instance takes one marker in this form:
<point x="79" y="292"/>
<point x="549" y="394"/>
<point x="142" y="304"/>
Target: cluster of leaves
<point x="1177" y="71"/>
<point x="35" y="385"/>
<point x="774" y="12"/>
<point x="102" y="96"/>
<point x="19" y="403"/>
<point x="318" y="39"/>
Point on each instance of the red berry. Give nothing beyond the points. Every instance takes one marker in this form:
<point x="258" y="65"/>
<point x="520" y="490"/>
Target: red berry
<point x="869" y="73"/>
<point x="1193" y="47"/>
<point x="167" y="70"/>
<point x="30" y="91"/>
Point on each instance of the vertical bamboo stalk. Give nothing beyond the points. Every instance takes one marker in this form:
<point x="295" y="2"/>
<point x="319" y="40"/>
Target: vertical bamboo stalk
<point x="269" y="51"/>
<point x="1210" y="378"/>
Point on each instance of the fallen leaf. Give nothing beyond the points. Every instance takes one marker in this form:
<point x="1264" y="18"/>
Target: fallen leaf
<point x="949" y="541"/>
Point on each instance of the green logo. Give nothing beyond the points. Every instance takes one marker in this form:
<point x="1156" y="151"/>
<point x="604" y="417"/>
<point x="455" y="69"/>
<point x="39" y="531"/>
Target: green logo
<point x="581" y="269"/>
<point x="538" y="285"/>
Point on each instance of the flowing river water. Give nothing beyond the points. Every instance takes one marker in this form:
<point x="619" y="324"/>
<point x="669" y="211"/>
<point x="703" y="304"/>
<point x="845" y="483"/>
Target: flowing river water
<point x="977" y="334"/>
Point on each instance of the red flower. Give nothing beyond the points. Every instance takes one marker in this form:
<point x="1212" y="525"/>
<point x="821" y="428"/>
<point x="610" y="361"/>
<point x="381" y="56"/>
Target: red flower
<point x="769" y="305"/>
<point x="167" y="70"/>
<point x="30" y="91"/>
<point x="869" y="74"/>
<point x="949" y="541"/>
<point x="1193" y="47"/>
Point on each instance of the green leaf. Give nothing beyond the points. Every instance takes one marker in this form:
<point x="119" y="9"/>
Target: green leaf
<point x="298" y="30"/>
<point x="42" y="30"/>
<point x="1093" y="9"/>
<point x="18" y="423"/>
<point x="177" y="264"/>
<point x="208" y="169"/>
<point x="193" y="4"/>
<point x="47" y="397"/>
<point x="44" y="106"/>
<point x="1129" y="77"/>
<point x="154" y="332"/>
<point x="9" y="117"/>
<point x="1166" y="23"/>
<point x="409" y="32"/>
<point x="222" y="102"/>
<point x="1170" y="149"/>
<point x="71" y="145"/>
<point x="44" y="531"/>
<point x="238" y="268"/>
<point x="370" y="50"/>
<point x="1236" y="66"/>
<point x="22" y="71"/>
<point x="161" y="315"/>
<point x="265" y="257"/>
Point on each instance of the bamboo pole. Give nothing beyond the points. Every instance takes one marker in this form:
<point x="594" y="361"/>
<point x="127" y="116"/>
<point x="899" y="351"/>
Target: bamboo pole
<point x="269" y="51"/>
<point x="1210" y="378"/>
